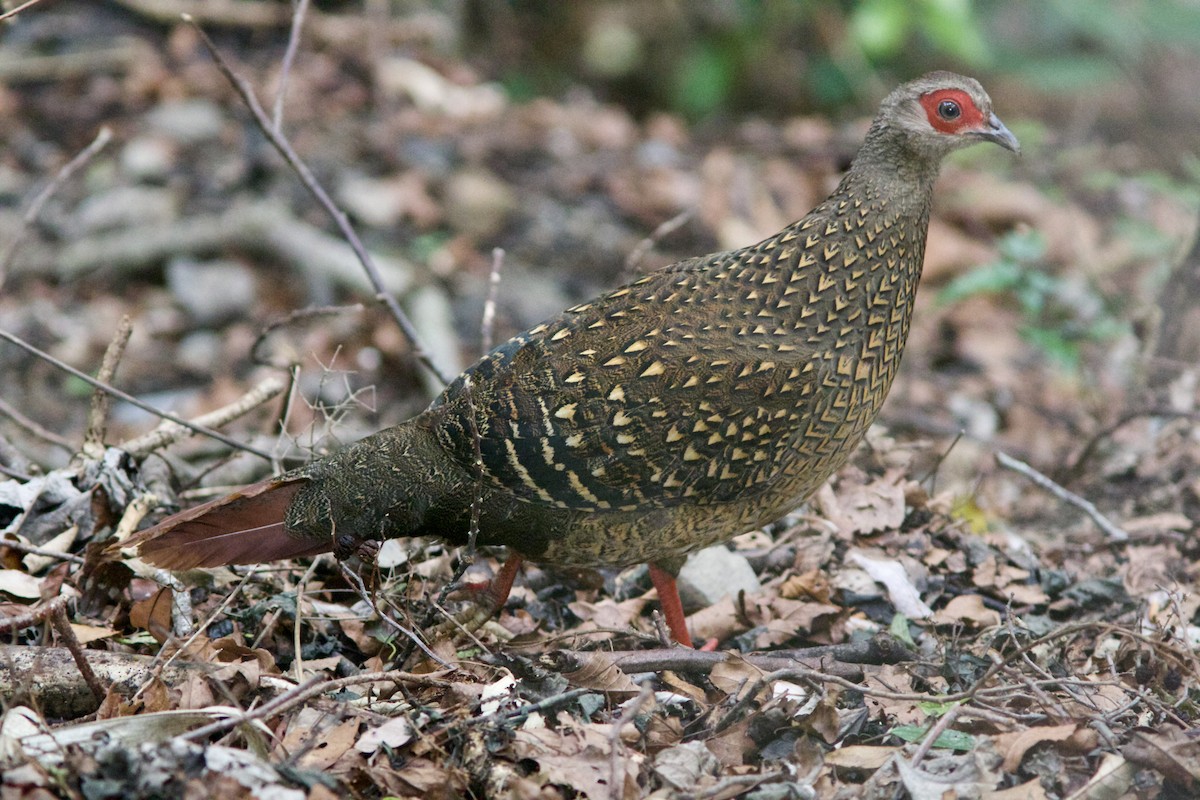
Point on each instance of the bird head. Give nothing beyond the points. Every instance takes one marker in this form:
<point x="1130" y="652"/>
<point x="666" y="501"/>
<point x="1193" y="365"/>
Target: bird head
<point x="941" y="112"/>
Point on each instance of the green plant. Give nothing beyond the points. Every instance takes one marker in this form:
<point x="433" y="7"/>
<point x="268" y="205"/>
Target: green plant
<point x="1060" y="316"/>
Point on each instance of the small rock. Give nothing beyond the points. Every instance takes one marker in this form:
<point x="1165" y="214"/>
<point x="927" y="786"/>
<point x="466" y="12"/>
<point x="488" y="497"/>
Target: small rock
<point x="198" y="351"/>
<point x="713" y="573"/>
<point x="128" y="207"/>
<point x="211" y="292"/>
<point x="478" y="203"/>
<point x="149" y="158"/>
<point x="188" y="121"/>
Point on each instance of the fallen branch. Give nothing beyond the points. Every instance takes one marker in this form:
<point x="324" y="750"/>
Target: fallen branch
<point x="262" y="228"/>
<point x="128" y="398"/>
<point x="39" y="201"/>
<point x="170" y="432"/>
<point x="284" y="148"/>
<point x="1113" y="532"/>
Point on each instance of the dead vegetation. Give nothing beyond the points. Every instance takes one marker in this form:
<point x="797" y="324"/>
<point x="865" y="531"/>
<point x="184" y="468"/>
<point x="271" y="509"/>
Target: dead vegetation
<point x="998" y="599"/>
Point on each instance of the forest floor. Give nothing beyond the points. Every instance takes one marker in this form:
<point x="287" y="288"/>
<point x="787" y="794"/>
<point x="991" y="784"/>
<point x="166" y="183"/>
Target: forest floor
<point x="997" y="598"/>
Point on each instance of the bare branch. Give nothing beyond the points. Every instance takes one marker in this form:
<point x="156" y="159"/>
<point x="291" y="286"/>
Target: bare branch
<point x="488" y="322"/>
<point x="97" y="424"/>
<point x="289" y="56"/>
<point x="284" y="148"/>
<point x="168" y="433"/>
<point x="128" y="398"/>
<point x="62" y="176"/>
<point x="1113" y="532"/>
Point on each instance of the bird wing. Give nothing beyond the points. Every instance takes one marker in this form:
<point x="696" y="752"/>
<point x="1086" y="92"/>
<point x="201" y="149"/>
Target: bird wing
<point x="659" y="393"/>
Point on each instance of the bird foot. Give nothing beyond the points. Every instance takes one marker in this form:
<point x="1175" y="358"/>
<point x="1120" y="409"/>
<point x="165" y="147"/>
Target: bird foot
<point x="487" y="597"/>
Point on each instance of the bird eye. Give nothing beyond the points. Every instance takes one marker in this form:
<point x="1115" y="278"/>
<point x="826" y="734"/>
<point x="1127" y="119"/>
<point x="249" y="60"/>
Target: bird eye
<point x="949" y="110"/>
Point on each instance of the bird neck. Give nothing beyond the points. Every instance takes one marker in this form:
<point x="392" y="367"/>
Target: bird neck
<point x="891" y="167"/>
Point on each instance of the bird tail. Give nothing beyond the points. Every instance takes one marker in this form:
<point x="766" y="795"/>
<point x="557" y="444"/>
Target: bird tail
<point x="246" y="527"/>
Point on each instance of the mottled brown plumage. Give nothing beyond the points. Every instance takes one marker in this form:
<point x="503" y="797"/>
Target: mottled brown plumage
<point x="675" y="412"/>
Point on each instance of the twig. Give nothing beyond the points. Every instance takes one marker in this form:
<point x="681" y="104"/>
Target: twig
<point x="299" y="315"/>
<point x="1072" y="472"/>
<point x="55" y="610"/>
<point x="1113" y="532"/>
<point x="476" y="466"/>
<point x="518" y="715"/>
<point x="284" y="148"/>
<point x="62" y="176"/>
<point x="941" y="726"/>
<point x="289" y="55"/>
<point x="634" y="259"/>
<point x="18" y="9"/>
<point x="357" y="582"/>
<point x="302" y="693"/>
<point x="616" y="787"/>
<point x="937" y="465"/>
<point x="128" y="398"/>
<point x="34" y="428"/>
<point x="21" y="547"/>
<point x="97" y="424"/>
<point x="168" y="433"/>
<point x="488" y="322"/>
<point x="62" y="625"/>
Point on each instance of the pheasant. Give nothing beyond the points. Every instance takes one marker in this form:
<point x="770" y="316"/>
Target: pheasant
<point x="672" y="413"/>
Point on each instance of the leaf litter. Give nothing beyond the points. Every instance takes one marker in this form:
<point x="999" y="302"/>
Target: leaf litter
<point x="1037" y="657"/>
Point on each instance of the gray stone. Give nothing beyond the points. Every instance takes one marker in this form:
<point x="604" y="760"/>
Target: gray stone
<point x="189" y="121"/>
<point x="712" y="573"/>
<point x="211" y="292"/>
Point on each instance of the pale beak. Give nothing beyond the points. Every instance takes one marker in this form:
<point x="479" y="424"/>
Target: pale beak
<point x="996" y="132"/>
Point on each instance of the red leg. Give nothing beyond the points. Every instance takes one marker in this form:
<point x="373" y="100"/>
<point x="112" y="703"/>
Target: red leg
<point x="672" y="608"/>
<point x="501" y="585"/>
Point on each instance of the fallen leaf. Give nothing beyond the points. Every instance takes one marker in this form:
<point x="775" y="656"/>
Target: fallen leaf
<point x="860" y="756"/>
<point x="904" y="595"/>
<point x="967" y="608"/>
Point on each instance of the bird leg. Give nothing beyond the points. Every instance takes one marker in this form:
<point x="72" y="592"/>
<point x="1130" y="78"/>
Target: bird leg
<point x="672" y="607"/>
<point x="491" y="598"/>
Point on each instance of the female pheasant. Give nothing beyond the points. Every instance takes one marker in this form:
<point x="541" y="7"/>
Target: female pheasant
<point x="675" y="412"/>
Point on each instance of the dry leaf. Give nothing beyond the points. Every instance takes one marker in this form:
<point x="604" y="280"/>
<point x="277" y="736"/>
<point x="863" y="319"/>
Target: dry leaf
<point x="967" y="608"/>
<point x="860" y="757"/>
<point x="901" y="591"/>
<point x="1015" y="745"/>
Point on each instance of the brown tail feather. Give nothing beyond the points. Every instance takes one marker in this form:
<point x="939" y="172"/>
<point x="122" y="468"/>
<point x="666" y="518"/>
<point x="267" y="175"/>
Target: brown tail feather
<point x="245" y="527"/>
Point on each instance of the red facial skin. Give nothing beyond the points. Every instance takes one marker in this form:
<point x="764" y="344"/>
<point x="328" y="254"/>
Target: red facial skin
<point x="971" y="117"/>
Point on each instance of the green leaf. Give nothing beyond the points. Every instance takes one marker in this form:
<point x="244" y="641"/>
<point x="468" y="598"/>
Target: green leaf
<point x="937" y="709"/>
<point x="703" y="79"/>
<point x="951" y="26"/>
<point x="1001" y="276"/>
<point x="880" y="27"/>
<point x="899" y="629"/>
<point x="948" y="740"/>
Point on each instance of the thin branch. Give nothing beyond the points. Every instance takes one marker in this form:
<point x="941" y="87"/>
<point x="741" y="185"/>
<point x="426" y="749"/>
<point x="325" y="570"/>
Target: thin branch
<point x="128" y="398"/>
<point x="357" y="582"/>
<point x="304" y="692"/>
<point x="168" y="433"/>
<point x="97" y="424"/>
<point x="299" y="315"/>
<point x="284" y="148"/>
<point x="1073" y="471"/>
<point x="634" y="260"/>
<point x="35" y="428"/>
<point x="616" y="786"/>
<point x="55" y="610"/>
<point x="62" y="176"/>
<point x="1113" y="532"/>
<point x="289" y="56"/>
<point x="29" y="549"/>
<point x="18" y="9"/>
<point x="488" y="322"/>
